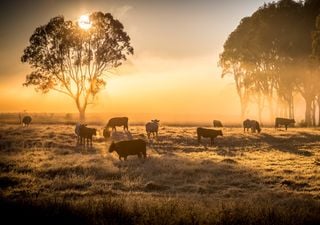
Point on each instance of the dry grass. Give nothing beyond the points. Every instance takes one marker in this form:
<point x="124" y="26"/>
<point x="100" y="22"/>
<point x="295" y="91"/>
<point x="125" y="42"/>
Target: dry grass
<point x="244" y="177"/>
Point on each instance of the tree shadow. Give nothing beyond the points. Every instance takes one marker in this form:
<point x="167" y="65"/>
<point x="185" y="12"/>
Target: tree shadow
<point x="289" y="145"/>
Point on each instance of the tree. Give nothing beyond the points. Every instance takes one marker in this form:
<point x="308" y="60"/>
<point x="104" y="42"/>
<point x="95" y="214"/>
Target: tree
<point x="71" y="60"/>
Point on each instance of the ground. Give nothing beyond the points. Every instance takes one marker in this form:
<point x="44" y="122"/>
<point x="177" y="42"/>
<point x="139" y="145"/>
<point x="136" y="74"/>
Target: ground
<point x="43" y="162"/>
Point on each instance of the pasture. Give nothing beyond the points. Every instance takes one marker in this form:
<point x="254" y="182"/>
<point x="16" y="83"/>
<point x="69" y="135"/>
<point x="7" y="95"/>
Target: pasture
<point x="243" y="178"/>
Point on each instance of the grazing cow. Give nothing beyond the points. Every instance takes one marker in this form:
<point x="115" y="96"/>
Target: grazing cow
<point x="118" y="121"/>
<point x="251" y="124"/>
<point x="217" y="123"/>
<point x="86" y="134"/>
<point x="208" y="133"/>
<point x="130" y="147"/>
<point x="283" y="121"/>
<point x="26" y="121"/>
<point x="152" y="127"/>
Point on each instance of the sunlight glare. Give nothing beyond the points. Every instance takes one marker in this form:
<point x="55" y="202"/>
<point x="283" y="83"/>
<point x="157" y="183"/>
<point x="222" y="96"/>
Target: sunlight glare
<point x="84" y="22"/>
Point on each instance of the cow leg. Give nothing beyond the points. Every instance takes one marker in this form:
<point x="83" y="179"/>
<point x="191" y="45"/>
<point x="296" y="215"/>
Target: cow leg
<point x="125" y="158"/>
<point x="286" y="126"/>
<point x="199" y="139"/>
<point x="139" y="155"/>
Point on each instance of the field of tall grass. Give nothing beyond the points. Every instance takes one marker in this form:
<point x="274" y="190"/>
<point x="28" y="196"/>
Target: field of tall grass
<point x="244" y="178"/>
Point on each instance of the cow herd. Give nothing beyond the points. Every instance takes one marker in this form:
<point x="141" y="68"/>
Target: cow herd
<point x="138" y="146"/>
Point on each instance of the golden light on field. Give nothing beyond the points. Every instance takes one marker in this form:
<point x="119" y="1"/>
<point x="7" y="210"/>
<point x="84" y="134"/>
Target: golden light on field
<point x="84" y="22"/>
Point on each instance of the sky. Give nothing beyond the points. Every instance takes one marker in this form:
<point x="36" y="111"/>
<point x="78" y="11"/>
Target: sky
<point x="173" y="74"/>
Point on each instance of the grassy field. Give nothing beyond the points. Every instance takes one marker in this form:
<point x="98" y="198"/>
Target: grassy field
<point x="245" y="178"/>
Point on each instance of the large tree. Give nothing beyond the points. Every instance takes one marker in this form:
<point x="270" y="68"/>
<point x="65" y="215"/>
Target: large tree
<point x="71" y="60"/>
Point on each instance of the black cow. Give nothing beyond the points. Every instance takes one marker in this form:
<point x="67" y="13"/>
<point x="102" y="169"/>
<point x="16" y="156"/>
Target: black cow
<point x="117" y="121"/>
<point x="130" y="147"/>
<point x="208" y="133"/>
<point x="26" y="121"/>
<point x="283" y="121"/>
<point x="251" y="124"/>
<point x="217" y="123"/>
<point x="86" y="134"/>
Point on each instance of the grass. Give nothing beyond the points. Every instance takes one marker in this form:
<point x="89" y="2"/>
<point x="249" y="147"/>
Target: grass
<point x="267" y="178"/>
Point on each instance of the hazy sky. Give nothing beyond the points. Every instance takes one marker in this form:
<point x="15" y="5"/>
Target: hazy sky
<point x="172" y="75"/>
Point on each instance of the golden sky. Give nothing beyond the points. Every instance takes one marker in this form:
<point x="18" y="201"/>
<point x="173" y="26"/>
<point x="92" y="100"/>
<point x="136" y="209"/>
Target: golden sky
<point x="173" y="74"/>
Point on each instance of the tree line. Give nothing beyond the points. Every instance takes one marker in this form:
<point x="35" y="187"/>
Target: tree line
<point x="273" y="55"/>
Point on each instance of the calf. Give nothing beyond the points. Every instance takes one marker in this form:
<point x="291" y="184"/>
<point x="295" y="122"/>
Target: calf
<point x="208" y="133"/>
<point x="283" y="121"/>
<point x="130" y="147"/>
<point x="86" y="134"/>
<point x="118" y="121"/>
<point x="251" y="124"/>
<point x="217" y="123"/>
<point x="152" y="128"/>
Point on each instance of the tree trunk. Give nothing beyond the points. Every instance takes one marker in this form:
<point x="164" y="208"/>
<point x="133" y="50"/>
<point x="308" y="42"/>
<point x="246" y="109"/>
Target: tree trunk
<point x="308" y="111"/>
<point x="318" y="111"/>
<point x="82" y="115"/>
<point x="313" y="113"/>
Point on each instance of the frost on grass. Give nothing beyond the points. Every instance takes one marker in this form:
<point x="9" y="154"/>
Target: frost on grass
<point x="44" y="162"/>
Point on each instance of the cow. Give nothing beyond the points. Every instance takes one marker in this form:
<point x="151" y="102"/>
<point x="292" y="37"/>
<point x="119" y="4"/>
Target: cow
<point x="117" y="121"/>
<point x="152" y="128"/>
<point x="77" y="131"/>
<point x="86" y="133"/>
<point x="217" y="123"/>
<point x="251" y="124"/>
<point x="130" y="147"/>
<point x="26" y="121"/>
<point x="208" y="133"/>
<point x="283" y="121"/>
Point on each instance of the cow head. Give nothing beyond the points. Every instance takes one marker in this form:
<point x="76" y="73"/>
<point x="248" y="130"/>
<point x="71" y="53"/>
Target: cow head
<point x="112" y="147"/>
<point x="106" y="133"/>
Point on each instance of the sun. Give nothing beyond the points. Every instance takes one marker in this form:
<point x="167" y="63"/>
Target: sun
<point x="84" y="22"/>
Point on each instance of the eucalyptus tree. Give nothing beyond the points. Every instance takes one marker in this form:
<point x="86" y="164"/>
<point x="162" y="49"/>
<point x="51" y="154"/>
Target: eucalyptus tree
<point x="72" y="60"/>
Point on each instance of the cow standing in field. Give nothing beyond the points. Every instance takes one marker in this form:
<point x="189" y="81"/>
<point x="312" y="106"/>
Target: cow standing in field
<point x="84" y="134"/>
<point x="208" y="133"/>
<point x="131" y="147"/>
<point x="251" y="124"/>
<point x="217" y="123"/>
<point x="152" y="128"/>
<point x="117" y="121"/>
<point x="26" y="120"/>
<point x="283" y="121"/>
<point x="77" y="131"/>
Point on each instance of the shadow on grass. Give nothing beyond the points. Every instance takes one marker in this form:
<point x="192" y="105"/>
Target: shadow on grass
<point x="159" y="211"/>
<point x="287" y="145"/>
